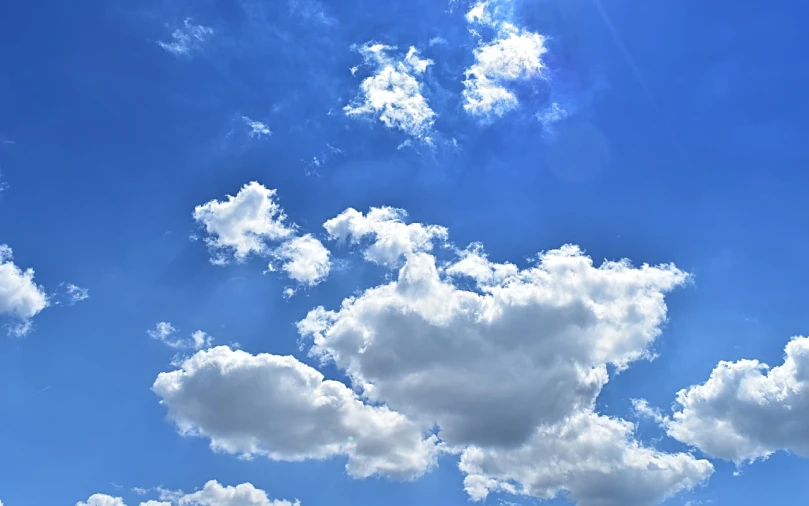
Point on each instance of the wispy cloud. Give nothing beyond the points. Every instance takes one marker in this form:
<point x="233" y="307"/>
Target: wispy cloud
<point x="257" y="129"/>
<point x="187" y="38"/>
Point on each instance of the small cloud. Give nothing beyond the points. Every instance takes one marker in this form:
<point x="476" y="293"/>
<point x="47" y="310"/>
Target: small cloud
<point x="166" y="333"/>
<point x="76" y="294"/>
<point x="393" y="94"/>
<point x="139" y="490"/>
<point x="551" y="115"/>
<point x="437" y="40"/>
<point x="257" y="128"/>
<point x="186" y="39"/>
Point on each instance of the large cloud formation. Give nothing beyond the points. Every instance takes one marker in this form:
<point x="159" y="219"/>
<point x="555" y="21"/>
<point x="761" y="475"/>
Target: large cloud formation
<point x="499" y="363"/>
<point x="281" y="408"/>
<point x="20" y="297"/>
<point x="253" y="223"/>
<point x="746" y="410"/>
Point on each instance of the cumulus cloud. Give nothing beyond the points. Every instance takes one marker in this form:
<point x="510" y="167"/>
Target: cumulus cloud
<point x="187" y="38"/>
<point x="508" y="362"/>
<point x="391" y="237"/>
<point x="215" y="494"/>
<point x="746" y="410"/>
<point x="242" y="224"/>
<point x="280" y="408"/>
<point x="513" y="54"/>
<point x="168" y="335"/>
<point x="212" y="494"/>
<point x="394" y="93"/>
<point x="304" y="259"/>
<point x="102" y="500"/>
<point x="253" y="223"/>
<point x="20" y="297"/>
<point x="592" y="458"/>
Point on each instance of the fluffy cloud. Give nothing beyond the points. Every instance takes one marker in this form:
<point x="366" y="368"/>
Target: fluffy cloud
<point x="508" y="362"/>
<point x="243" y="224"/>
<point x="212" y="494"/>
<point x="393" y="92"/>
<point x="167" y="334"/>
<point x="304" y="259"/>
<point x="746" y="410"/>
<point x="392" y="239"/>
<point x="591" y="458"/>
<point x="253" y="223"/>
<point x="20" y="297"/>
<point x="187" y="38"/>
<point x="283" y="409"/>
<point x="512" y="54"/>
<point x="102" y="500"/>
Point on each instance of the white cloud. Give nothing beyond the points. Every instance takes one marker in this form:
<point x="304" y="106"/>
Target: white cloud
<point x="76" y="294"/>
<point x="20" y="297"/>
<point x="215" y="494"/>
<point x="304" y="259"/>
<point x="393" y="93"/>
<point x="257" y="128"/>
<point x="187" y="38"/>
<point x="102" y="500"/>
<point x="285" y="410"/>
<point x="212" y="494"/>
<point x="509" y="368"/>
<point x="253" y="223"/>
<point x="392" y="239"/>
<point x="243" y="224"/>
<point x="592" y="458"/>
<point x="167" y="334"/>
<point x="512" y="54"/>
<point x="747" y="410"/>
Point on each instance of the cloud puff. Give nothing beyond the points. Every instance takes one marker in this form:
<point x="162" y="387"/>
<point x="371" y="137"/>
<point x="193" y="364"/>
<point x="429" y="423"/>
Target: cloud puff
<point x="508" y="363"/>
<point x="746" y="410"/>
<point x="187" y="38"/>
<point x="393" y="93"/>
<point x="304" y="259"/>
<point x="212" y="494"/>
<point x="513" y="54"/>
<point x="102" y="500"/>
<point x="253" y="223"/>
<point x="167" y="334"/>
<point x="243" y="224"/>
<point x="285" y="410"/>
<point x="20" y="297"/>
<point x="392" y="239"/>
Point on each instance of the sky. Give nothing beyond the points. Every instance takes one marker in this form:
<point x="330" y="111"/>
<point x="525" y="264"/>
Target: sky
<point x="310" y="252"/>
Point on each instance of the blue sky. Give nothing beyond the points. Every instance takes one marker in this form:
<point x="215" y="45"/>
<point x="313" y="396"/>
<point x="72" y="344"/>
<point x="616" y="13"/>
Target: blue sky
<point x="190" y="181"/>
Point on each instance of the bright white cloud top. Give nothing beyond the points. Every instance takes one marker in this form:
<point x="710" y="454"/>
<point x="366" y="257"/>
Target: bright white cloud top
<point x="212" y="494"/>
<point x="505" y="362"/>
<point x="513" y="54"/>
<point x="252" y="223"/>
<point x="187" y="38"/>
<point x="393" y="93"/>
<point x="285" y="410"/>
<point x="391" y="238"/>
<point x="20" y="297"/>
<point x="746" y="410"/>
